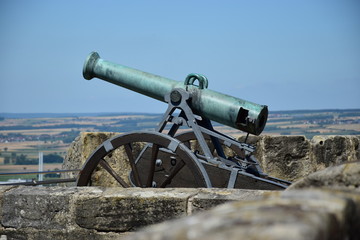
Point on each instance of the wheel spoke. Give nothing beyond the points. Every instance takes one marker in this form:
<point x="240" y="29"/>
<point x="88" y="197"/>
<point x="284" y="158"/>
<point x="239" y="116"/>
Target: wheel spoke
<point x="109" y="169"/>
<point x="154" y="153"/>
<point x="174" y="171"/>
<point x="132" y="164"/>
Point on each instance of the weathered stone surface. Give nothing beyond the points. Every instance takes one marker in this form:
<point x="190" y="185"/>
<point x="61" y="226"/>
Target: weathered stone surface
<point x="344" y="175"/>
<point x="104" y="213"/>
<point x="333" y="150"/>
<point x="131" y="208"/>
<point x="38" y="207"/>
<point x="286" y="156"/>
<point x="101" y="213"/>
<point x="291" y="215"/>
<point x="340" y="207"/>
<point x="3" y="190"/>
<point x="350" y="218"/>
<point x="122" y="210"/>
<point x="355" y="219"/>
<point x="233" y="220"/>
<point x="294" y="157"/>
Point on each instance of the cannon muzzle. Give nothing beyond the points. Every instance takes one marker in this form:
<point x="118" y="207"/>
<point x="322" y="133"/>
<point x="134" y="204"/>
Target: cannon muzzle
<point x="231" y="111"/>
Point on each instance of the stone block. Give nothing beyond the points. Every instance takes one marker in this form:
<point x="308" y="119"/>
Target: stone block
<point x="354" y="219"/>
<point x="38" y="207"/>
<point x="340" y="207"/>
<point x="108" y="213"/>
<point x="128" y="209"/>
<point x="332" y="150"/>
<point x="344" y="175"/>
<point x="294" y="157"/>
<point x="342" y="202"/>
<point x="3" y="190"/>
<point x="285" y="157"/>
<point x="267" y="219"/>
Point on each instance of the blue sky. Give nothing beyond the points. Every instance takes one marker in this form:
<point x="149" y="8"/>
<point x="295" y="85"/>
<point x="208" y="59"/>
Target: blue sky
<point x="286" y="54"/>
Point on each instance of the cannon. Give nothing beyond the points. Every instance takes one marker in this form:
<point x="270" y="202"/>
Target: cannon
<point x="185" y="150"/>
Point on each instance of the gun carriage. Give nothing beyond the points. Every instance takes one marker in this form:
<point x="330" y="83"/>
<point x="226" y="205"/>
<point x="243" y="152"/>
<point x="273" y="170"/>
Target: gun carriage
<point x="170" y="156"/>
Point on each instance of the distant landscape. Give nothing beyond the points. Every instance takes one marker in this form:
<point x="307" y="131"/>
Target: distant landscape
<point x="23" y="136"/>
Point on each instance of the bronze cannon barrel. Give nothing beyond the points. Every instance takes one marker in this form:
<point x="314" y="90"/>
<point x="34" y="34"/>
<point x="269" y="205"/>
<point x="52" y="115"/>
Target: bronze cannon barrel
<point x="231" y="111"/>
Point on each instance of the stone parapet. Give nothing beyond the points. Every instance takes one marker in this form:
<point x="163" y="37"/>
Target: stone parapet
<point x="285" y="157"/>
<point x="101" y="213"/>
<point x="115" y="213"/>
<point x="299" y="215"/>
<point x="323" y="204"/>
<point x="294" y="157"/>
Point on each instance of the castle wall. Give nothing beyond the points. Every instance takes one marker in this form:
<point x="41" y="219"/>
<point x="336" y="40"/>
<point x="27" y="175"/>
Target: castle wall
<point x="102" y="213"/>
<point x="118" y="213"/>
<point x="320" y="205"/>
<point x="285" y="157"/>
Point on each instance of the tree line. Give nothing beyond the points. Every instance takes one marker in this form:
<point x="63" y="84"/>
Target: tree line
<point x="23" y="159"/>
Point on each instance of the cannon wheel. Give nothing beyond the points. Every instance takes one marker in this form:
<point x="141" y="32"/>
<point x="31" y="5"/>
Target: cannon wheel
<point x="149" y="159"/>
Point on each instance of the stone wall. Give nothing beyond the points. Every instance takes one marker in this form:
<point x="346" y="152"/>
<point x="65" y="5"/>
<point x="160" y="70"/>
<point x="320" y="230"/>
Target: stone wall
<point x="118" y="213"/>
<point x="294" y="157"/>
<point x="101" y="213"/>
<point x="296" y="215"/>
<point x="322" y="204"/>
<point x="285" y="157"/>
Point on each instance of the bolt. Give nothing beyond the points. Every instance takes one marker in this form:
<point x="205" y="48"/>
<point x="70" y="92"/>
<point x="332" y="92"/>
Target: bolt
<point x="173" y="161"/>
<point x="158" y="163"/>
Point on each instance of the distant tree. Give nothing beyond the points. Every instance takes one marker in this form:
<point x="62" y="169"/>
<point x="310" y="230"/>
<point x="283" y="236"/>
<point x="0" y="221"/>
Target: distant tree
<point x="53" y="158"/>
<point x="13" y="157"/>
<point x="23" y="160"/>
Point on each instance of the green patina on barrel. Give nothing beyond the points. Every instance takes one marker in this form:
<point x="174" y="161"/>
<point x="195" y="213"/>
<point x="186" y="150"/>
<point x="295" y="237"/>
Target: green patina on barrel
<point x="231" y="111"/>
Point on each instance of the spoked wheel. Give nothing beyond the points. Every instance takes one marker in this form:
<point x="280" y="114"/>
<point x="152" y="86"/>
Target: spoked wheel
<point x="143" y="159"/>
